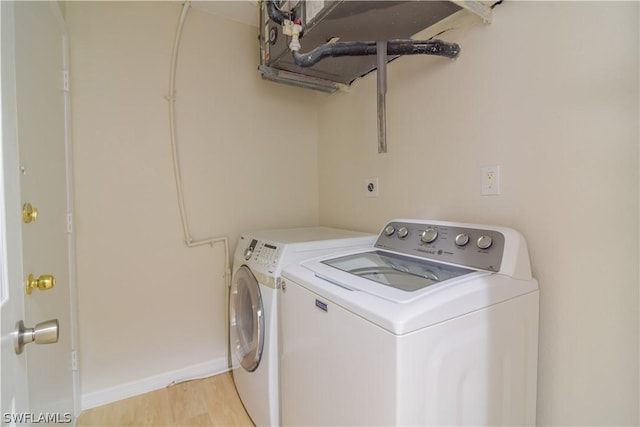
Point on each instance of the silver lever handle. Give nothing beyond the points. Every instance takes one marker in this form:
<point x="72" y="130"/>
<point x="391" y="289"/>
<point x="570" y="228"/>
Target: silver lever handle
<point x="44" y="333"/>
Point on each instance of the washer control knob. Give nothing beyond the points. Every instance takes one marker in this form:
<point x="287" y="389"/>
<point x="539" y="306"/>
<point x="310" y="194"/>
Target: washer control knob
<point x="389" y="230"/>
<point x="484" y="242"/>
<point x="403" y="232"/>
<point x="462" y="239"/>
<point x="247" y="253"/>
<point x="429" y="235"/>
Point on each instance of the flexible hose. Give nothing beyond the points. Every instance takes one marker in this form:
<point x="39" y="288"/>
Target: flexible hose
<point x="176" y="169"/>
<point x="278" y="17"/>
<point x="394" y="47"/>
<point x="275" y="14"/>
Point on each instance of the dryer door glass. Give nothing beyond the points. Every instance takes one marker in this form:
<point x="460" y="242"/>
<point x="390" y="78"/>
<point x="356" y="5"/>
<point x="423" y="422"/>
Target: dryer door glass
<point x="247" y="319"/>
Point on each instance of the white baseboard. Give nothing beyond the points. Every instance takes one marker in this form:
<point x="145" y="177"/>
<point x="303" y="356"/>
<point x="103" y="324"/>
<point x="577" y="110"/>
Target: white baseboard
<point x="145" y="385"/>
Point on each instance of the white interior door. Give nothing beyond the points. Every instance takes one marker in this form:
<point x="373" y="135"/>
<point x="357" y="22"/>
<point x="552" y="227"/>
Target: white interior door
<point x="46" y="244"/>
<point x="13" y="370"/>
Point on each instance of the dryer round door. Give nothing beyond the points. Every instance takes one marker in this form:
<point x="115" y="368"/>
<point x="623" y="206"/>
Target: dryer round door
<point x="246" y="313"/>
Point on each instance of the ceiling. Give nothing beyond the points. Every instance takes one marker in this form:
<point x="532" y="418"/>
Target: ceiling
<point x="243" y="11"/>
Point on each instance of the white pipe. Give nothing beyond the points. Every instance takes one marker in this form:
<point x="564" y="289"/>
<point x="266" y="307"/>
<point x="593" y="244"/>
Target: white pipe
<point x="71" y="244"/>
<point x="176" y="170"/>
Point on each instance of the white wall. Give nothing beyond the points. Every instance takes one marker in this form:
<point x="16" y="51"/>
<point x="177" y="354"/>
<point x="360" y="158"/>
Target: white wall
<point x="147" y="304"/>
<point x="549" y="92"/>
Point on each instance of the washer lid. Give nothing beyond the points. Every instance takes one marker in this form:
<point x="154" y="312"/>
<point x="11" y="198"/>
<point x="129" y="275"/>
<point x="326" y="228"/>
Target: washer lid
<point x="394" y="277"/>
<point x="396" y="271"/>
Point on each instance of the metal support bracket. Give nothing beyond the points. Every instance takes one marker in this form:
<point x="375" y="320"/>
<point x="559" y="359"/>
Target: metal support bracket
<point x="381" y="58"/>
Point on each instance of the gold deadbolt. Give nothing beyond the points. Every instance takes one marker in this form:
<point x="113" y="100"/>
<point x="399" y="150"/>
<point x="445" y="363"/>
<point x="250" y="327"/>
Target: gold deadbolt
<point x="29" y="213"/>
<point x="44" y="283"/>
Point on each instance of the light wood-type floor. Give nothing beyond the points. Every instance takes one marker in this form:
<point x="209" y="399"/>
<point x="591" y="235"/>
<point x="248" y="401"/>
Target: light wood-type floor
<point x="211" y="401"/>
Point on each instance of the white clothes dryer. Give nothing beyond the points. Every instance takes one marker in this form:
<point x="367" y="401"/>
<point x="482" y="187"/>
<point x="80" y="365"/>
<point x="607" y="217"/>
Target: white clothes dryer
<point x="258" y="261"/>
<point x="434" y="324"/>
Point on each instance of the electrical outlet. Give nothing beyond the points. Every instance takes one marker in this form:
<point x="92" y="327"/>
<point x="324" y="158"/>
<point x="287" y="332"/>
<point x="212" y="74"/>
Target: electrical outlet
<point x="371" y="187"/>
<point x="490" y="180"/>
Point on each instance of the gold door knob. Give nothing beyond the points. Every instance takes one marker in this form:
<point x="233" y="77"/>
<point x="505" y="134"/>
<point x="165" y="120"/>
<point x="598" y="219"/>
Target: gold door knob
<point x="44" y="282"/>
<point x="29" y="213"/>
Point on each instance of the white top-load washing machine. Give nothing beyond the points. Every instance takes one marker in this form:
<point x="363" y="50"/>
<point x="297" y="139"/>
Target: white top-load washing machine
<point x="434" y="324"/>
<point x="253" y="307"/>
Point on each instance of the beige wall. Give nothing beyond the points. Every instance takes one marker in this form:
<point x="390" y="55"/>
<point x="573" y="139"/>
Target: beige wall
<point x="147" y="304"/>
<point x="549" y="92"/>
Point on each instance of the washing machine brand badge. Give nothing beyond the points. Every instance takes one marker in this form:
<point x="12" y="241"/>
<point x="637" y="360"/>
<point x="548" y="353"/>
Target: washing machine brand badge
<point x="321" y="305"/>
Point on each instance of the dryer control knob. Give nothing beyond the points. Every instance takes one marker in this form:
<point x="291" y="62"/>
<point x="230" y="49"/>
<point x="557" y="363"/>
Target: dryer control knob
<point x="389" y="230"/>
<point x="403" y="232"/>
<point x="429" y="235"/>
<point x="484" y="242"/>
<point x="247" y="253"/>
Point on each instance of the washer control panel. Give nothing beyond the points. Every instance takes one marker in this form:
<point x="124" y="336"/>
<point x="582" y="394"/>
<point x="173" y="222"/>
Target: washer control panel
<point x="470" y="247"/>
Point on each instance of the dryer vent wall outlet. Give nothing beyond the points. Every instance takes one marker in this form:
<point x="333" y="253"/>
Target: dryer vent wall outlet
<point x="371" y="187"/>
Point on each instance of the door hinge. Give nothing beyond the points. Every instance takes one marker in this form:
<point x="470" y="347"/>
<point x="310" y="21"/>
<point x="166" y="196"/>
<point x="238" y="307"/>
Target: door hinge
<point x="65" y="80"/>
<point x="74" y="360"/>
<point x="69" y="222"/>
